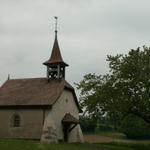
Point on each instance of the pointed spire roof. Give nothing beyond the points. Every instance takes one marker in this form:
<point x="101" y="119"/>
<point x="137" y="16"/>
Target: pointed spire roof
<point x="55" y="57"/>
<point x="56" y="54"/>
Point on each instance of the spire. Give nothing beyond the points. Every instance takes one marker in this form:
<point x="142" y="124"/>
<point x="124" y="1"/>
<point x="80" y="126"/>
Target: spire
<point x="55" y="57"/>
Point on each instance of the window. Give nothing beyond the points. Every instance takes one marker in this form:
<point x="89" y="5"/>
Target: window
<point x="66" y="100"/>
<point x="16" y="120"/>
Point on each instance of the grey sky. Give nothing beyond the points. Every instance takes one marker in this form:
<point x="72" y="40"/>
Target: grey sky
<point x="88" y="30"/>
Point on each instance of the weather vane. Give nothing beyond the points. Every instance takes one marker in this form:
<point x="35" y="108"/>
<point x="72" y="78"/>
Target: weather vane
<point x="56" y="24"/>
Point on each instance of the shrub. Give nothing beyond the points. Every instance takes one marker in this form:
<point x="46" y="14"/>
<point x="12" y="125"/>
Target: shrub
<point x="103" y="127"/>
<point x="87" y="124"/>
<point x="135" y="128"/>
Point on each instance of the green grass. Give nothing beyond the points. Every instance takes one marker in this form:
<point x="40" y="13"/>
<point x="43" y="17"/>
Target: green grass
<point x="33" y="145"/>
<point x="133" y="145"/>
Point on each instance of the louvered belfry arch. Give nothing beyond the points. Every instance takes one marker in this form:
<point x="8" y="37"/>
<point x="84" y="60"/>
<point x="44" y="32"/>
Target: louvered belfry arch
<point x="55" y="64"/>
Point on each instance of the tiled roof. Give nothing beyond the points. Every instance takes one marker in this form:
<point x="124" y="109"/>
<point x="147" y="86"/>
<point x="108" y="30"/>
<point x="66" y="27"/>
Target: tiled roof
<point x="33" y="92"/>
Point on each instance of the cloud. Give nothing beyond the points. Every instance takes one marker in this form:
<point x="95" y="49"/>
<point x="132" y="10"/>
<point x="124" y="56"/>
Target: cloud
<point x="88" y="30"/>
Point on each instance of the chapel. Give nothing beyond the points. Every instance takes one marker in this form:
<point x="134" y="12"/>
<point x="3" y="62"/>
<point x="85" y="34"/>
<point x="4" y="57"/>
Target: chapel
<point x="44" y="109"/>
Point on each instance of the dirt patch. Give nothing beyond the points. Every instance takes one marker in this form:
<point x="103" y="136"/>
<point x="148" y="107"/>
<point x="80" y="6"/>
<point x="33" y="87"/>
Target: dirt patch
<point x="91" y="138"/>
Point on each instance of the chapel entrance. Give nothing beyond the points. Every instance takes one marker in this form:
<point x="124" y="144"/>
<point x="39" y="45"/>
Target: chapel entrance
<point x="69" y="123"/>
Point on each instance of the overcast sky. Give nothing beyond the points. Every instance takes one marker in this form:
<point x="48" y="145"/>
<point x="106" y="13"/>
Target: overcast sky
<point x="88" y="30"/>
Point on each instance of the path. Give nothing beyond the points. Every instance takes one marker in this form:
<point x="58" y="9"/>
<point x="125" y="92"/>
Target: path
<point x="92" y="138"/>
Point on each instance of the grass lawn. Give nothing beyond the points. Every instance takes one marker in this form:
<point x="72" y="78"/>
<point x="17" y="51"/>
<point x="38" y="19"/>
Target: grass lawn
<point x="33" y="145"/>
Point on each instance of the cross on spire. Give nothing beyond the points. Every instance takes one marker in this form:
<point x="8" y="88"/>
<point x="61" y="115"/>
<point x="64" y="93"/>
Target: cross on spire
<point x="56" y="18"/>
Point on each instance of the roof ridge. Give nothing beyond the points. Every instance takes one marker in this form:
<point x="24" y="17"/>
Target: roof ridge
<point x="27" y="78"/>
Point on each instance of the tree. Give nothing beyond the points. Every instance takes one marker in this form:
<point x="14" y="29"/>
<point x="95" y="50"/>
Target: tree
<point x="125" y="90"/>
<point x="98" y="98"/>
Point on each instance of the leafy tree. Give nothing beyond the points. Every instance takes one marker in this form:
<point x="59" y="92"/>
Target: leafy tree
<point x="97" y="97"/>
<point x="131" y="75"/>
<point x="125" y="90"/>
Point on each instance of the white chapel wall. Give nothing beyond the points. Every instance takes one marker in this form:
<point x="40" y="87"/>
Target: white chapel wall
<point x="65" y="104"/>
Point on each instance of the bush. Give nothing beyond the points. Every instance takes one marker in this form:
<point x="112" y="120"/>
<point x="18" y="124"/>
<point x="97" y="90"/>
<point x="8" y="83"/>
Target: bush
<point x="135" y="128"/>
<point x="87" y="124"/>
<point x="103" y="127"/>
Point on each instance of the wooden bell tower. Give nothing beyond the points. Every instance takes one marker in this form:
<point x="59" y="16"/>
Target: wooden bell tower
<point x="55" y="64"/>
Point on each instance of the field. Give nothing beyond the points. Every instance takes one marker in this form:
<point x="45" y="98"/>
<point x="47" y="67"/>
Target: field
<point x="32" y="145"/>
<point x="105" y="141"/>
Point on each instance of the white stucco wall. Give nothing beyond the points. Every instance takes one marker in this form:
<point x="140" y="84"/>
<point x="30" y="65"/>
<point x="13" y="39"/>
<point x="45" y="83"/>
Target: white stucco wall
<point x="65" y="104"/>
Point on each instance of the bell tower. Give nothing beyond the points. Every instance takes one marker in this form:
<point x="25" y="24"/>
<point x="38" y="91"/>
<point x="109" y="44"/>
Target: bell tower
<point x="55" y="65"/>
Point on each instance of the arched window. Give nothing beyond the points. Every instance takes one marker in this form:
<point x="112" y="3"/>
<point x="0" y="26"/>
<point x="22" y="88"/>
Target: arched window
<point x="16" y="120"/>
